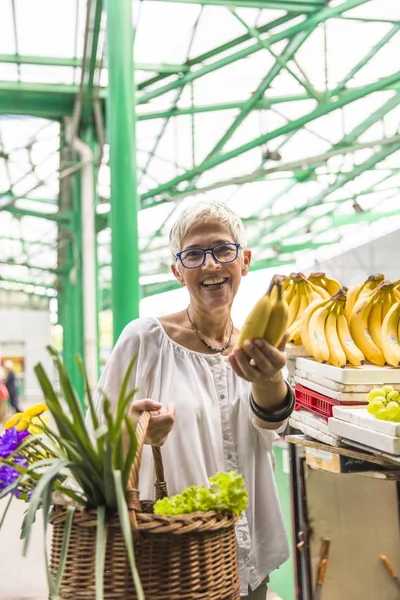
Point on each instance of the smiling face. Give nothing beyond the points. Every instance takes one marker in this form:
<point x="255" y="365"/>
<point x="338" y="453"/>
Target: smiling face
<point x="213" y="285"/>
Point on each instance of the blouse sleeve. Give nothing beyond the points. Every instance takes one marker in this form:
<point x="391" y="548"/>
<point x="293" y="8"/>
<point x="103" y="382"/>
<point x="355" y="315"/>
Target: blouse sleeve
<point x="131" y="343"/>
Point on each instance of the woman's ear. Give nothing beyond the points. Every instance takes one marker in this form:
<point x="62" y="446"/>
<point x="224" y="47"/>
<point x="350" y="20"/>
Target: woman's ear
<point x="177" y="274"/>
<point x="246" y="262"/>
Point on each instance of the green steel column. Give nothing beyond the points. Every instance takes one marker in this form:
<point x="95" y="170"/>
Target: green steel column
<point x="124" y="195"/>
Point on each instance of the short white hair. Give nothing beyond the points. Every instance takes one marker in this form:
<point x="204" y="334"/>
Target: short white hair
<point x="204" y="212"/>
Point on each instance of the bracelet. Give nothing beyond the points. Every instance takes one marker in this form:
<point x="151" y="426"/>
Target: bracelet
<point x="275" y="416"/>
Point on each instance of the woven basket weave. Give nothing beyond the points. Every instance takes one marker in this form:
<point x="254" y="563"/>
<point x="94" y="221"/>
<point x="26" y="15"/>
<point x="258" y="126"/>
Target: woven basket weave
<point x="185" y="557"/>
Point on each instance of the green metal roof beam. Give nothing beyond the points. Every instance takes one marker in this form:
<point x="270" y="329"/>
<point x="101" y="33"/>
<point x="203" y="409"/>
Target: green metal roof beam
<point x="92" y="41"/>
<point x="29" y="242"/>
<point x="58" y="61"/>
<point x="288" y="5"/>
<point x="64" y="218"/>
<point x="12" y="263"/>
<point x="27" y="283"/>
<point x="374" y="50"/>
<point x="366" y="216"/>
<point x="223" y="48"/>
<point x="323" y="109"/>
<point x="311" y="22"/>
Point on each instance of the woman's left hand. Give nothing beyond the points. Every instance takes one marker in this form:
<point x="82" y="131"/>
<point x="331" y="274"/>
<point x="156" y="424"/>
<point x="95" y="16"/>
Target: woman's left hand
<point x="261" y="363"/>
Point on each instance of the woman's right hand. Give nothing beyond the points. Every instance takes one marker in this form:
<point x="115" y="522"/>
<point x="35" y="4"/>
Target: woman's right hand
<point x="161" y="421"/>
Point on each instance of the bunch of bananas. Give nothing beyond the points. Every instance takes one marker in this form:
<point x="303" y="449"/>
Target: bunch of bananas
<point x="375" y="320"/>
<point x="269" y="317"/>
<point x="300" y="292"/>
<point x="325" y="332"/>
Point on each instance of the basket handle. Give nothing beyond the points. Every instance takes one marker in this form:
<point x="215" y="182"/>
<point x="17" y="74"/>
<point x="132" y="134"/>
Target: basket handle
<point x="133" y="483"/>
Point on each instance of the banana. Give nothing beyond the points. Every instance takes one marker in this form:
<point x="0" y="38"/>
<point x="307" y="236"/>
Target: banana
<point x="353" y="354"/>
<point x="318" y="341"/>
<point x="360" y="332"/>
<point x="390" y="336"/>
<point x="332" y="286"/>
<point x="305" y="322"/>
<point x="294" y="329"/>
<point x="294" y="306"/>
<point x="337" y="356"/>
<point x="375" y="320"/>
<point x="369" y="286"/>
<point x="256" y="323"/>
<point x="352" y="297"/>
<point x="321" y="291"/>
<point x="388" y="300"/>
<point x="278" y="320"/>
<point x="290" y="292"/>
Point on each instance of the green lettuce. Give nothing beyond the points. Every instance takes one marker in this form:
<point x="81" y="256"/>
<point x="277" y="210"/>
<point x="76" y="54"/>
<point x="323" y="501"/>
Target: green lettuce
<point x="226" y="494"/>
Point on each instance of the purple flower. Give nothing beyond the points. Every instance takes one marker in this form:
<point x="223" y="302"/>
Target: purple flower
<point x="10" y="440"/>
<point x="9" y="475"/>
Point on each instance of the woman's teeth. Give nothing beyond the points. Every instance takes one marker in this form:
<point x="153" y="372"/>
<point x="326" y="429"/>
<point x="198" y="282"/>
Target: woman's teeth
<point x="213" y="281"/>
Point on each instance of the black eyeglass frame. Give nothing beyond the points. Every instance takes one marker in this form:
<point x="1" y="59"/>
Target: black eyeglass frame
<point x="209" y="251"/>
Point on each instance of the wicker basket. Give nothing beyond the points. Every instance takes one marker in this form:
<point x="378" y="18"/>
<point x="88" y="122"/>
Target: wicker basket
<point x="186" y="557"/>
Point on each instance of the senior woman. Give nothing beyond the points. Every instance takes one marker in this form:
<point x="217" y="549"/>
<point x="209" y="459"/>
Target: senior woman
<point x="214" y="407"/>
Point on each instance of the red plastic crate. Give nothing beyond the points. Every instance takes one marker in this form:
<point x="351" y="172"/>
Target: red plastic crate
<point x="314" y="402"/>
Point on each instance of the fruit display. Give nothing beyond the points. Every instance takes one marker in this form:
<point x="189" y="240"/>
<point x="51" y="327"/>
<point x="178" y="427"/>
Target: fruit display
<point x="375" y="322"/>
<point x="384" y="403"/>
<point x="325" y="333"/>
<point x="300" y="292"/>
<point x="268" y="318"/>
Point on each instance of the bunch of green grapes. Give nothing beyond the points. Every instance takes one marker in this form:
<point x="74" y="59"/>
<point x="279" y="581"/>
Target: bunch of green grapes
<point x="384" y="403"/>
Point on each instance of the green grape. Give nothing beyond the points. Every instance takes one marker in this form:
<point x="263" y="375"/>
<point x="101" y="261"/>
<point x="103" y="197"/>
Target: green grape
<point x="374" y="393"/>
<point x="393" y="395"/>
<point x="387" y="388"/>
<point x="382" y="415"/>
<point x="393" y="411"/>
<point x="374" y="406"/>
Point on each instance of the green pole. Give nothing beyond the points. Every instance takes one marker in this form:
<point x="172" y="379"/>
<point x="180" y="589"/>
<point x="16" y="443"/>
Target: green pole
<point x="124" y="195"/>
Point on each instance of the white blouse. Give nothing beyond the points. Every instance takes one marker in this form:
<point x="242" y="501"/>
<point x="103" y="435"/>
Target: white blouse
<point x="214" y="431"/>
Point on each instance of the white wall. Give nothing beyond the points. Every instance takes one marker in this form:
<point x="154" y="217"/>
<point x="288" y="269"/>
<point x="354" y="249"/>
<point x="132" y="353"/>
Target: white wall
<point x="32" y="329"/>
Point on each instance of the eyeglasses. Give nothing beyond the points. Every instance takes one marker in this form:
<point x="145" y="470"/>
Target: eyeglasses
<point x="196" y="257"/>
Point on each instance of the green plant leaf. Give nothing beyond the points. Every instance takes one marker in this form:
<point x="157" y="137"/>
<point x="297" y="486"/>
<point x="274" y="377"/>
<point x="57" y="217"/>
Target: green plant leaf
<point x="122" y="394"/>
<point x="3" y="516"/>
<point x="83" y="372"/>
<point x="65" y="545"/>
<point x="127" y="533"/>
<point x="45" y="484"/>
<point x="101" y="540"/>
<point x="46" y="502"/>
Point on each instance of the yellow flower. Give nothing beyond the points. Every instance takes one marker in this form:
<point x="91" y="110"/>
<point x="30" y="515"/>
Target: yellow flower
<point x="12" y="421"/>
<point x="35" y="411"/>
<point x="36" y="425"/>
<point x="22" y="425"/>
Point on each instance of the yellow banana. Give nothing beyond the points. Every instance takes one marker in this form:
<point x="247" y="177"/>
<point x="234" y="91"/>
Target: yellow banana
<point x="389" y="299"/>
<point x="318" y="341"/>
<point x="352" y="297"/>
<point x="321" y="291"/>
<point x="290" y="292"/>
<point x="256" y="322"/>
<point x="375" y="320"/>
<point x="278" y="320"/>
<point x="360" y="332"/>
<point x="369" y="286"/>
<point x="353" y="354"/>
<point x="305" y="322"/>
<point x="396" y="293"/>
<point x="294" y="306"/>
<point x="332" y="286"/>
<point x="337" y="356"/>
<point x="294" y="329"/>
<point x="390" y="336"/>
